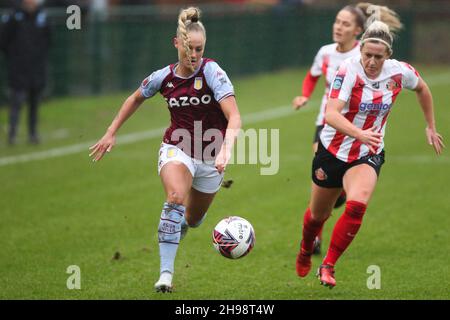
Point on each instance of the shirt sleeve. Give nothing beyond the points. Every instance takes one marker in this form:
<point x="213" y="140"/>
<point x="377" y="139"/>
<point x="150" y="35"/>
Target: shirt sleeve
<point x="410" y="77"/>
<point x="152" y="84"/>
<point x="342" y="85"/>
<point x="218" y="81"/>
<point x="316" y="68"/>
<point x="309" y="83"/>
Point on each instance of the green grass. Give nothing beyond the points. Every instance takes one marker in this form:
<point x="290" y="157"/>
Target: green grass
<point x="68" y="211"/>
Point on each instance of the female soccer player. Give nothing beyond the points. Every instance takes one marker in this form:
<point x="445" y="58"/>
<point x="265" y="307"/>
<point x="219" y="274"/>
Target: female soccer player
<point x="351" y="148"/>
<point x="197" y="146"/>
<point x="348" y="25"/>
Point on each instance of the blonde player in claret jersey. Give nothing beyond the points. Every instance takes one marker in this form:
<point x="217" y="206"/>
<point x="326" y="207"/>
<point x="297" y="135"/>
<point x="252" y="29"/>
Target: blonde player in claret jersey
<point x="348" y="25"/>
<point x="351" y="147"/>
<point x="199" y="94"/>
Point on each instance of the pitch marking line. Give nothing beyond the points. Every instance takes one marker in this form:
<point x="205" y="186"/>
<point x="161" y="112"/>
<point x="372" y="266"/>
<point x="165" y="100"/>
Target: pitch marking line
<point x="261" y="116"/>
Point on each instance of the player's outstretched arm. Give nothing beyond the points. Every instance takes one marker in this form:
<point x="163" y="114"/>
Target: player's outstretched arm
<point x="334" y="118"/>
<point x="426" y="102"/>
<point x="106" y="143"/>
<point x="231" y="112"/>
<point x="309" y="83"/>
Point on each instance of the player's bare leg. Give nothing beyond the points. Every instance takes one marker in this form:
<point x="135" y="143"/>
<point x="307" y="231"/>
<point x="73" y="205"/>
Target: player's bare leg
<point x="339" y="202"/>
<point x="359" y="183"/>
<point x="177" y="181"/>
<point x="197" y="204"/>
<point x="320" y="208"/>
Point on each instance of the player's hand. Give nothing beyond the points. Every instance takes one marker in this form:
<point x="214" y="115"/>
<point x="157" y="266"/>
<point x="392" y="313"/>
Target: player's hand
<point x="299" y="102"/>
<point x="105" y="144"/>
<point x="371" y="138"/>
<point x="222" y="159"/>
<point x="435" y="139"/>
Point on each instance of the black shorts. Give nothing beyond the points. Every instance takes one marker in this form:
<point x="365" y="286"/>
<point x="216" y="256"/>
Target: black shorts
<point x="317" y="133"/>
<point x="328" y="171"/>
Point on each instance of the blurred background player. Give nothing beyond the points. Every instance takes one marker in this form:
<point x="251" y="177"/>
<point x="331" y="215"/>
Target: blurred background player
<point x="196" y="90"/>
<point x="348" y="25"/>
<point x="25" y="40"/>
<point x="351" y="148"/>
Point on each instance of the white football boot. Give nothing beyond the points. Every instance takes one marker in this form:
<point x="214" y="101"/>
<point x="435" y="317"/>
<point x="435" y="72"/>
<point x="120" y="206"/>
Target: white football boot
<point x="164" y="283"/>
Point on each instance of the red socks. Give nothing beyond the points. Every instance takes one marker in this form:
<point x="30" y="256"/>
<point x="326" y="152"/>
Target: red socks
<point x="345" y="230"/>
<point x="311" y="228"/>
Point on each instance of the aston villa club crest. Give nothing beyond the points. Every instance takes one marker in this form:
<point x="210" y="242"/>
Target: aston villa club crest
<point x="171" y="152"/>
<point x="145" y="82"/>
<point x="198" y="83"/>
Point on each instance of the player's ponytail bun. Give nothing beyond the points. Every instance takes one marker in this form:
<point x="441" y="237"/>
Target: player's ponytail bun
<point x="381" y="25"/>
<point x="189" y="20"/>
<point x="189" y="15"/>
<point x="374" y="12"/>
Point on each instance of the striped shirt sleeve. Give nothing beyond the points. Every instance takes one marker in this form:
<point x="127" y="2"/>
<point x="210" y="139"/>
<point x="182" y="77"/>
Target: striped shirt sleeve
<point x="410" y="77"/>
<point x="316" y="68"/>
<point x="343" y="82"/>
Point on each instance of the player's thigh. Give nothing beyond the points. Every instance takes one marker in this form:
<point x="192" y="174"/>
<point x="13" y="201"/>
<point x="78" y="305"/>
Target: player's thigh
<point x="197" y="204"/>
<point x="314" y="147"/>
<point x="177" y="181"/>
<point x="322" y="201"/>
<point x="360" y="182"/>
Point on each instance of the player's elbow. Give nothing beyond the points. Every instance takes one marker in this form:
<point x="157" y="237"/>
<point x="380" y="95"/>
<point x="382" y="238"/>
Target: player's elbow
<point x="330" y="116"/>
<point x="237" y="120"/>
<point x="234" y="119"/>
<point x="136" y="99"/>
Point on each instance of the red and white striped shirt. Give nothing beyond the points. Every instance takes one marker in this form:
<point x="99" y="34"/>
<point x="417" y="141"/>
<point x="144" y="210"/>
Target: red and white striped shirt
<point x="368" y="103"/>
<point x="326" y="63"/>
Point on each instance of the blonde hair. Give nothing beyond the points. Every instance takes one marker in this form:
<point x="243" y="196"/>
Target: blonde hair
<point x="189" y="20"/>
<point x="381" y="13"/>
<point x="381" y="26"/>
<point x="378" y="32"/>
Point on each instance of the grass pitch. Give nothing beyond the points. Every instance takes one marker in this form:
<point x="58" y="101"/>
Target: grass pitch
<point x="103" y="217"/>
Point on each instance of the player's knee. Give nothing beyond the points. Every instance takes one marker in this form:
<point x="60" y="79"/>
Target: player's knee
<point x="175" y="197"/>
<point x="320" y="215"/>
<point x="361" y="195"/>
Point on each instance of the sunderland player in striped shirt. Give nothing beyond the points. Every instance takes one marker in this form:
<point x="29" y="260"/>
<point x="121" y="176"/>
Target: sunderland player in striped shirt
<point x="351" y="148"/>
<point x="348" y="25"/>
<point x="196" y="147"/>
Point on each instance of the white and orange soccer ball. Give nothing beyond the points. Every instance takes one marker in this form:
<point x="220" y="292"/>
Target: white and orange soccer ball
<point x="233" y="237"/>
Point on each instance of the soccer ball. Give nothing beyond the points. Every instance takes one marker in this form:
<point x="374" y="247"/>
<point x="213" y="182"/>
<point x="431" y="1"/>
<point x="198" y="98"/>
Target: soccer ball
<point x="233" y="237"/>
